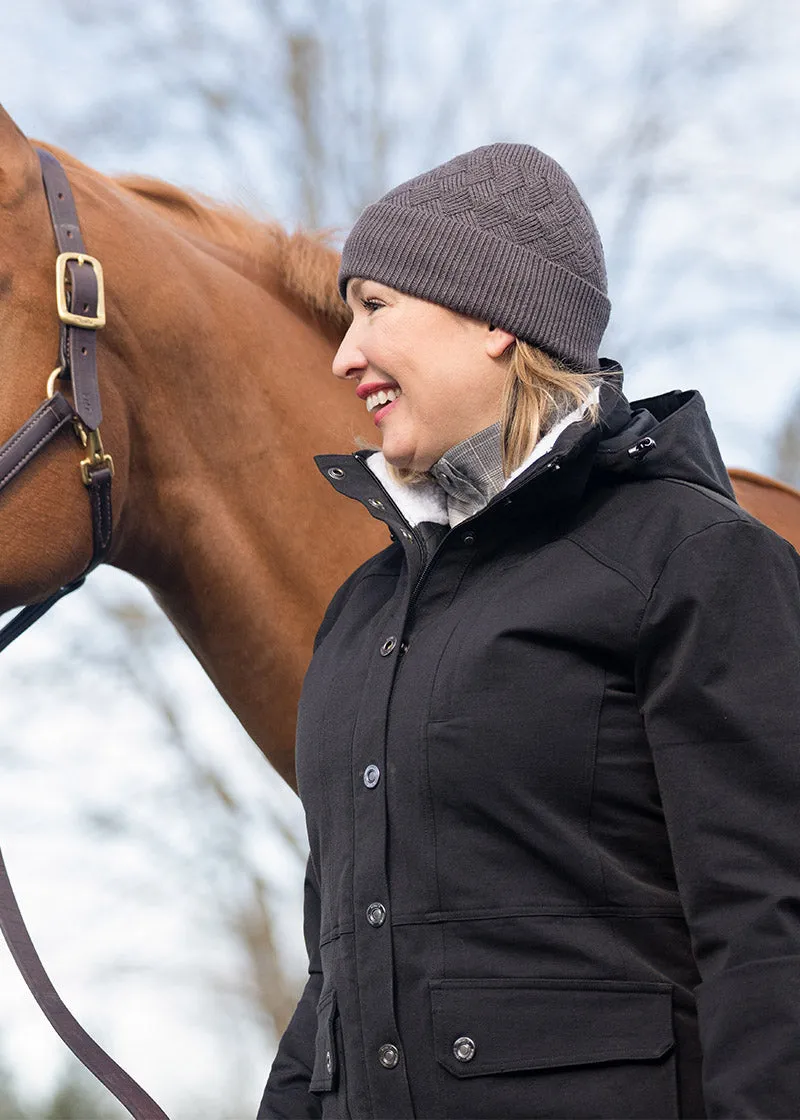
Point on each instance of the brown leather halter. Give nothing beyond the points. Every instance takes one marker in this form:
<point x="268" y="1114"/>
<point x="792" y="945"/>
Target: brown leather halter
<point x="81" y="309"/>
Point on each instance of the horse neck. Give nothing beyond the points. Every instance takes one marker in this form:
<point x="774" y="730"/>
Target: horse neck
<point x="225" y="515"/>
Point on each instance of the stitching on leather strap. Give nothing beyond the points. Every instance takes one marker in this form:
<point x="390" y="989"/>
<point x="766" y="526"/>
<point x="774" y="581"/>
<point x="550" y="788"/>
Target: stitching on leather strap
<point x="54" y="424"/>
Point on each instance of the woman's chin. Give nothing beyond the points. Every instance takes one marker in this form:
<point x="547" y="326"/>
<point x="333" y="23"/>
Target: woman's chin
<point x="406" y="461"/>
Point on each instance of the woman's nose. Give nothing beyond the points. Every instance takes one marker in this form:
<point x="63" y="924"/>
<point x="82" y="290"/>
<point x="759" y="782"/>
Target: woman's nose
<point x="348" y="360"/>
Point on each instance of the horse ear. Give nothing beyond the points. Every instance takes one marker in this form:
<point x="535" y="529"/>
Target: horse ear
<point x="18" y="164"/>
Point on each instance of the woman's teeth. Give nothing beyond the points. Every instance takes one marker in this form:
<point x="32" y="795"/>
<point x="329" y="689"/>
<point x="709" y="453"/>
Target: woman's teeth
<point x="383" y="396"/>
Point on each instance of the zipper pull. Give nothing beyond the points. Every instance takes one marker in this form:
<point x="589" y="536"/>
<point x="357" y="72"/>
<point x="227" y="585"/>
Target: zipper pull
<point x="642" y="448"/>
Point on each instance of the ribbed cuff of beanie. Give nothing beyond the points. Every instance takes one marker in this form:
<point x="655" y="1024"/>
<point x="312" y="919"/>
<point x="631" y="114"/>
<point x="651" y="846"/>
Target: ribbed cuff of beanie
<point x="477" y="274"/>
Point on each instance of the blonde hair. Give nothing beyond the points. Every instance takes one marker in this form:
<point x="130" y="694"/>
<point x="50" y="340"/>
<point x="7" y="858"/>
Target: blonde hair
<point x="539" y="391"/>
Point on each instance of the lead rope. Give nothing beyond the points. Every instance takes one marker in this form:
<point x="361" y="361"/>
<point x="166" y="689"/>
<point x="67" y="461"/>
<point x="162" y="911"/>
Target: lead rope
<point x="81" y="308"/>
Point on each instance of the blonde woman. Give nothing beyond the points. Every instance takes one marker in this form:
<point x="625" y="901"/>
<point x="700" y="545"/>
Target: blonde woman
<point x="548" y="742"/>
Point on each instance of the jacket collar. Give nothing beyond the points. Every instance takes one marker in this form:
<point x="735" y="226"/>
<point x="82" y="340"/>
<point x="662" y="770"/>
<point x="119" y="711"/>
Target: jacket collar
<point x="427" y="500"/>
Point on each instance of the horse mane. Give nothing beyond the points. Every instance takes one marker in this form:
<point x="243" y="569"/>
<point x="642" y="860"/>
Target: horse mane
<point x="305" y="263"/>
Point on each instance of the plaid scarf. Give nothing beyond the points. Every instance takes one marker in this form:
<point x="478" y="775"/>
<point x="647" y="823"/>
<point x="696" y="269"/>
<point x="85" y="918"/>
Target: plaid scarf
<point x="471" y="473"/>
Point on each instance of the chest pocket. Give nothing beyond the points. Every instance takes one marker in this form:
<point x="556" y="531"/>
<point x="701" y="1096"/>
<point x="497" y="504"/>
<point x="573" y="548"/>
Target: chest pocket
<point x="518" y="1048"/>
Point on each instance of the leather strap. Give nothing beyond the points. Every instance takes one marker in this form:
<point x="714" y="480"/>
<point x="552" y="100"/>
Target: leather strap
<point x="78" y="345"/>
<point x="78" y="364"/>
<point x="127" y="1091"/>
<point x="78" y="348"/>
<point x="46" y="422"/>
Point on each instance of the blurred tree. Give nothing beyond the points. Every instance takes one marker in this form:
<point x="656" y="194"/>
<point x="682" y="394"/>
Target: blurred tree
<point x="296" y="100"/>
<point x="11" y="1107"/>
<point x="77" y="1096"/>
<point x="231" y="896"/>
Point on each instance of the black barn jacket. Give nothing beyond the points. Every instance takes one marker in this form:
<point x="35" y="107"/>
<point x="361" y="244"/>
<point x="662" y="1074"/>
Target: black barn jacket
<point x="552" y="783"/>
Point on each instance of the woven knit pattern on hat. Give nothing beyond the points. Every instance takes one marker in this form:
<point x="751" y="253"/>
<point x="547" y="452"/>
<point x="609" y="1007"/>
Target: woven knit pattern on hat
<point x="518" y="194"/>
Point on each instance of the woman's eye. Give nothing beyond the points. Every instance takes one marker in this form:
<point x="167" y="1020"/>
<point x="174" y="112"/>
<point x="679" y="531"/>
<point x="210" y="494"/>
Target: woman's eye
<point x="371" y="304"/>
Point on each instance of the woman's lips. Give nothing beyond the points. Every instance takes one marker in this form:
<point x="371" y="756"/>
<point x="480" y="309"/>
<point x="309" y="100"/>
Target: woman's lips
<point x="384" y="410"/>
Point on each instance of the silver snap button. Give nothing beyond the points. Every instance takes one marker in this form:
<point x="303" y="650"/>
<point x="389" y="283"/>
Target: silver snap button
<point x="375" y="503"/>
<point x="335" y="472"/>
<point x="388" y="646"/>
<point x="376" y="914"/>
<point x="328" y="1061"/>
<point x="468" y="538"/>
<point x="388" y="1056"/>
<point x="372" y="776"/>
<point x="464" y="1049"/>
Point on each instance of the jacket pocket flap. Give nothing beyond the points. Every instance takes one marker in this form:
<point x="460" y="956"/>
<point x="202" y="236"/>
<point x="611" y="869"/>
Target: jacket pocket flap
<point x="497" y="1026"/>
<point x="323" y="1076"/>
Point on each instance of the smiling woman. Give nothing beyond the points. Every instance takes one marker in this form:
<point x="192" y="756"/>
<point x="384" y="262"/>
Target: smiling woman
<point x="547" y="741"/>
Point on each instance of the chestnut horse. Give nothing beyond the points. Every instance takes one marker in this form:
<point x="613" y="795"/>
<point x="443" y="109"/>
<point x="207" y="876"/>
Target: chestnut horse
<point x="215" y="378"/>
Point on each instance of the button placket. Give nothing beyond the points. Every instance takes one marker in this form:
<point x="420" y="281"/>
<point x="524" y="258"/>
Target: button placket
<point x="389" y="1094"/>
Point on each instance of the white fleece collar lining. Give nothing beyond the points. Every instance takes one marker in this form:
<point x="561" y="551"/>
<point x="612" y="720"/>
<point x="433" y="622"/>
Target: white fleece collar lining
<point x="426" y="501"/>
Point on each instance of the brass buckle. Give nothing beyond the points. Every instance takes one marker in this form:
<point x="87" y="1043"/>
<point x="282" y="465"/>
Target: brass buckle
<point x="97" y="457"/>
<point x="91" y="322"/>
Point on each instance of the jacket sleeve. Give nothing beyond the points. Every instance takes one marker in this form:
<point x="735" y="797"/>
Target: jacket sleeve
<point x="718" y="680"/>
<point x="286" y="1096"/>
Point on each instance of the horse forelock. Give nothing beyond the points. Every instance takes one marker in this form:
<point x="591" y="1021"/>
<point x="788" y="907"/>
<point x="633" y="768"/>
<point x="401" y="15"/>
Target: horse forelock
<point x="304" y="263"/>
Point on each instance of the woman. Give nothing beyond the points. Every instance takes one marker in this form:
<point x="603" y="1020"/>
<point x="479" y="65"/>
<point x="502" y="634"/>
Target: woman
<point x="549" y="741"/>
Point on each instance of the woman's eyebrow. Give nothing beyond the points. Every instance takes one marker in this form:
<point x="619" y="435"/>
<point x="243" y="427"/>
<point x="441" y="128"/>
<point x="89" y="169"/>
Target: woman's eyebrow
<point x="355" y="287"/>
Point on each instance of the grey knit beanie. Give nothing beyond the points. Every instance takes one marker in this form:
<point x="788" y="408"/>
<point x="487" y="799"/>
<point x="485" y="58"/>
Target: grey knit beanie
<point x="500" y="234"/>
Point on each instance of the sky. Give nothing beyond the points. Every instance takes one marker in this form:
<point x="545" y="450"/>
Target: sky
<point x="678" y="120"/>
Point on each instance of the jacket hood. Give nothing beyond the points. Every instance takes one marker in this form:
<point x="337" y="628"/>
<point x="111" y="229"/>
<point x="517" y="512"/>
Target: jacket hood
<point x="667" y="436"/>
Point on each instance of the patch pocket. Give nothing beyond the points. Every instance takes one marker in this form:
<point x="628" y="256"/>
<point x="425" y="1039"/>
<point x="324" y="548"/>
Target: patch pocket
<point x="326" y="1065"/>
<point x="578" y="1048"/>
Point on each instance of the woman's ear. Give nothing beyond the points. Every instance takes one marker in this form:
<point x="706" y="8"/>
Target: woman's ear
<point x="497" y="341"/>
